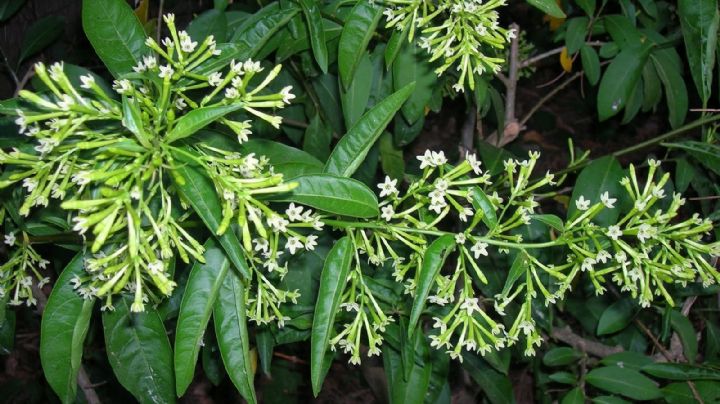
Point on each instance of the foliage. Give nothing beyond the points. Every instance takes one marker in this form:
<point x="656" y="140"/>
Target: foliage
<point x="170" y="179"/>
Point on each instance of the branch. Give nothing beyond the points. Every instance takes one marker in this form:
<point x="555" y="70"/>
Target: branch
<point x="594" y="348"/>
<point x="532" y="60"/>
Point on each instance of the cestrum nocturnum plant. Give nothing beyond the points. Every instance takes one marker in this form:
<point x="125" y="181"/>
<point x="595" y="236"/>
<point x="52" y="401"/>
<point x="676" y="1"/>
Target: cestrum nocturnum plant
<point x="114" y="160"/>
<point x="464" y="34"/>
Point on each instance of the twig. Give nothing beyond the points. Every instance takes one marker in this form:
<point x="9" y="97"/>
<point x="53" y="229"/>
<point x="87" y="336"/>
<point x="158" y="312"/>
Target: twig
<point x="10" y="69"/>
<point x="158" y="31"/>
<point x="594" y="348"/>
<point x="511" y="128"/>
<point x="548" y="97"/>
<point x="290" y="358"/>
<point x="23" y="82"/>
<point x="537" y="58"/>
<point x="468" y="133"/>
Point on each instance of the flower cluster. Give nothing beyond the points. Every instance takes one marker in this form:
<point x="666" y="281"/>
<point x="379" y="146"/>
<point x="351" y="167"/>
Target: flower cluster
<point x="21" y="270"/>
<point x="112" y="158"/>
<point x="464" y="34"/>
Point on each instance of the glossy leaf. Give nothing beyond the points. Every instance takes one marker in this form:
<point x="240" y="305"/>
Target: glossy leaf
<point x="391" y="157"/>
<point x="352" y="148"/>
<point x="9" y="7"/>
<point x="681" y="371"/>
<point x="482" y="204"/>
<point x="256" y="30"/>
<point x="574" y="396"/>
<point x="550" y="220"/>
<point x="202" y="289"/>
<point x="327" y="88"/>
<point x="549" y="7"/>
<point x="684" y="328"/>
<point x="139" y="352"/>
<point x="333" y="194"/>
<point x="410" y="66"/>
<point x="575" y="34"/>
<point x="587" y="5"/>
<point x="64" y="325"/>
<point x="496" y="386"/>
<point x="412" y="385"/>
<point x="211" y="22"/>
<point x="675" y="91"/>
<point x="41" y="33"/>
<point x="432" y="262"/>
<point x="591" y="64"/>
<point x="563" y="377"/>
<point x="627" y="359"/>
<point x="699" y="20"/>
<point x="617" y="316"/>
<point x="601" y="175"/>
<point x="199" y="118"/>
<point x="317" y="139"/>
<point x="609" y="400"/>
<point x="359" y="28"/>
<point x="517" y="271"/>
<point x="199" y="192"/>
<point x="232" y="335"/>
<point x="355" y="98"/>
<point x="286" y="160"/>
<point x="115" y="33"/>
<point x="332" y="283"/>
<point x="681" y="393"/>
<point x="311" y="10"/>
<point x="560" y="356"/>
<point x="706" y="153"/>
<point x="395" y="43"/>
<point x="623" y="32"/>
<point x="619" y="80"/>
<point x="626" y="382"/>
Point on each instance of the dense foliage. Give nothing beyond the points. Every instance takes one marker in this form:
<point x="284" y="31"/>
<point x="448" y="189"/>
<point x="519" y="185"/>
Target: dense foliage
<point x="254" y="167"/>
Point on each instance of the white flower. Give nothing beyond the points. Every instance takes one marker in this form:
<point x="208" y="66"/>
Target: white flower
<point x="474" y="163"/>
<point x="294" y="213"/>
<point x="166" y="71"/>
<point x="511" y="34"/>
<point x="168" y="42"/>
<point x="614" y="232"/>
<point x="311" y="242"/>
<point x="439" y="158"/>
<point x="87" y="81"/>
<point x="646" y="232"/>
<point x="231" y="93"/>
<point x="460" y="238"/>
<point x="237" y="68"/>
<point x="587" y="264"/>
<point x="441" y="185"/>
<point x="30" y="184"/>
<point x="653" y="163"/>
<point x="156" y="267"/>
<point x="180" y="104"/>
<point x="425" y="159"/>
<point x="388" y="188"/>
<point x="602" y="256"/>
<point x="252" y="67"/>
<point x="10" y="239"/>
<point x="437" y="205"/>
<point x="470" y="304"/>
<point x="658" y="192"/>
<point x="215" y="79"/>
<point x="150" y="62"/>
<point x="277" y="223"/>
<point x="122" y="86"/>
<point x="139" y="68"/>
<point x="261" y="244"/>
<point x="466" y="212"/>
<point x="169" y="18"/>
<point x="186" y="43"/>
<point x="287" y="96"/>
<point x="479" y="248"/>
<point x="582" y="203"/>
<point x="387" y="212"/>
<point x="293" y="244"/>
<point x="607" y="200"/>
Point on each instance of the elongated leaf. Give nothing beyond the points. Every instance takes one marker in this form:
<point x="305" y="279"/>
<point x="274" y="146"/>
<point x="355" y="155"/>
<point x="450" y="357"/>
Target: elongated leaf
<point x="199" y="118"/>
<point x="591" y="64"/>
<point x="626" y="382"/>
<point x="517" y="271"/>
<point x="9" y="7"/>
<point x="627" y="359"/>
<point x="311" y="9"/>
<point x="115" y="33"/>
<point x="317" y="140"/>
<point x="333" y="194"/>
<point x="355" y="98"/>
<point x="41" y="33"/>
<point x="351" y="150"/>
<point x="139" y="352"/>
<point x="706" y="153"/>
<point x="575" y="34"/>
<point x="211" y="22"/>
<point x="483" y="206"/>
<point x="560" y="356"/>
<point x="574" y="396"/>
<point x="359" y="28"/>
<point x="549" y="7"/>
<point x="232" y="335"/>
<point x="550" y="220"/>
<point x="199" y="192"/>
<point x="619" y="80"/>
<point x="681" y="371"/>
<point x="495" y="385"/>
<point x="616" y="317"/>
<point x="412" y="66"/>
<point x="433" y="261"/>
<point x="63" y="328"/>
<point x="623" y="31"/>
<point x="411" y="387"/>
<point x="256" y="30"/>
<point x="197" y="304"/>
<point x="602" y="175"/>
<point x="332" y="283"/>
<point x="684" y="328"/>
<point x="285" y="159"/>
<point x="699" y="20"/>
<point x="675" y="90"/>
<point x="397" y="40"/>
<point x="681" y="393"/>
<point x="587" y="5"/>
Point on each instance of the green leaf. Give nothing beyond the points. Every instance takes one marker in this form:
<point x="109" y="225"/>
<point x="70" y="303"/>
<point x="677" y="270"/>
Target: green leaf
<point x="549" y="7"/>
<point x="652" y="90"/>
<point x="197" y="189"/>
<point x="327" y="88"/>
<point x="311" y="9"/>
<point x="495" y="385"/>
<point x="550" y="220"/>
<point x="623" y="32"/>
<point x="591" y="64"/>
<point x="317" y="139"/>
<point x="574" y="396"/>
<point x="332" y="284"/>
<point x="616" y="317"/>
<point x="64" y="325"/>
<point x="355" y="98"/>
<point x="115" y="33"/>
<point x="575" y="34"/>
<point x="675" y="91"/>
<point x="626" y="382"/>
<point x="560" y="356"/>
<point x="199" y="118"/>
<point x="9" y="7"/>
<point x="680" y="393"/>
<point x="196" y="307"/>
<point x="232" y="335"/>
<point x="684" y="328"/>
<point x="609" y="400"/>
<point x="707" y="154"/>
<point x="139" y="352"/>
<point x="627" y="359"/>
<point x="286" y="160"/>
<point x="41" y="33"/>
<point x="619" y="80"/>
<point x="681" y="371"/>
<point x="333" y="194"/>
<point x="210" y="22"/>
<point x="483" y="206"/>
<point x="601" y="175"/>
<point x="359" y="28"/>
<point x="432" y="262"/>
<point x="563" y="377"/>
<point x="395" y="43"/>
<point x="412" y="385"/>
<point x="391" y="157"/>
<point x="412" y="66"/>
<point x="699" y="20"/>
<point x="352" y="148"/>
<point x="517" y="270"/>
<point x="256" y="30"/>
<point x="132" y="120"/>
<point x="588" y="6"/>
